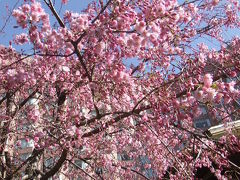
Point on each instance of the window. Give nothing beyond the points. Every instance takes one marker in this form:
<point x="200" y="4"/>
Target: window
<point x="33" y="101"/>
<point x="49" y="162"/>
<point x="202" y="123"/>
<point x="81" y="164"/>
<point x="99" y="170"/>
<point x="26" y="144"/>
<point x="81" y="150"/>
<point x="149" y="172"/>
<point x="24" y="127"/>
<point x="124" y="157"/>
<point x="24" y="156"/>
<point x="135" y="122"/>
<point x="144" y="160"/>
<point x="204" y="110"/>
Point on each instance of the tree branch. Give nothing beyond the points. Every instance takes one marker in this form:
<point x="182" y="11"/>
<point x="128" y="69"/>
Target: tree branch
<point x="122" y="167"/>
<point x="27" y="99"/>
<point x="76" y="50"/>
<point x="81" y="169"/>
<point x="102" y="10"/>
<point x="57" y="166"/>
<point x="118" y="118"/>
<point x="35" y="153"/>
<point x="52" y="8"/>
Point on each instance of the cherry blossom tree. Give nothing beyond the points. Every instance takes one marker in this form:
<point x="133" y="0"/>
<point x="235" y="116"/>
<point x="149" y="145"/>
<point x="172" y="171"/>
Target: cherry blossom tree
<point x="122" y="77"/>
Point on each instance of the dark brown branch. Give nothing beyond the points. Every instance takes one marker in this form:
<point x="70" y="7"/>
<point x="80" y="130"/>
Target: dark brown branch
<point x="81" y="169"/>
<point x="205" y="29"/>
<point x="92" y="120"/>
<point x="76" y="50"/>
<point x="116" y="119"/>
<point x="27" y="99"/>
<point x="61" y="98"/>
<point x="85" y="122"/>
<point x="124" y="31"/>
<point x="92" y="167"/>
<point x="74" y="43"/>
<point x="154" y="90"/>
<point x="35" y="153"/>
<point x="52" y="8"/>
<point x="3" y="99"/>
<point x="81" y="37"/>
<point x="55" y="55"/>
<point x="15" y="62"/>
<point x="122" y="167"/>
<point x="137" y="111"/>
<point x="137" y="67"/>
<point x="102" y="10"/>
<point x="93" y="21"/>
<point x="10" y="95"/>
<point x="8" y="104"/>
<point x="57" y="166"/>
<point x="194" y="134"/>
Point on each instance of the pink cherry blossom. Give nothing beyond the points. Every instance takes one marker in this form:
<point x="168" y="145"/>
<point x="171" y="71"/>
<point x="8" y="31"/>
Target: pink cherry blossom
<point x="122" y="89"/>
<point x="64" y="1"/>
<point x="21" y="39"/>
<point x="207" y="80"/>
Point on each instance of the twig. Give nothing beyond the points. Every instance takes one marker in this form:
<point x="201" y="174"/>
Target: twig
<point x="102" y="10"/>
<point x="80" y="169"/>
<point x="9" y="16"/>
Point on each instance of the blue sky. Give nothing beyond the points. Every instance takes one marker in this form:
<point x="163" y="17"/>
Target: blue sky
<point x="75" y="6"/>
<point x="7" y="5"/>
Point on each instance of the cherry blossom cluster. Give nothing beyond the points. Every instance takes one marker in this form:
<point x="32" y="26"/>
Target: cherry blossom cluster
<point x="124" y="82"/>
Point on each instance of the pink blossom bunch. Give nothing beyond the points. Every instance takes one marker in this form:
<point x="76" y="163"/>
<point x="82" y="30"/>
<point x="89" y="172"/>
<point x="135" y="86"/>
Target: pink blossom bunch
<point x="21" y="39"/>
<point x="123" y="88"/>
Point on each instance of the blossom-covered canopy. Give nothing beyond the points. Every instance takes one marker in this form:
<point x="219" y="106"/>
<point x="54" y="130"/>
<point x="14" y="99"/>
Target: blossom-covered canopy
<point x="123" y="78"/>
